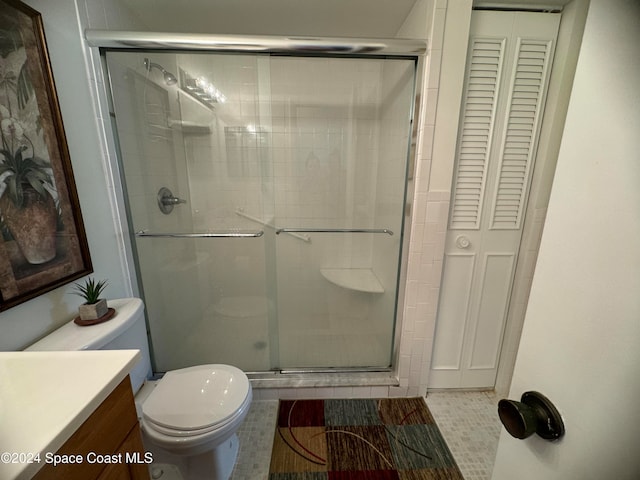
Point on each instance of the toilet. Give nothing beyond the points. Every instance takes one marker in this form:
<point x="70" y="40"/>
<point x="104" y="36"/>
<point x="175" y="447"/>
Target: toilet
<point x="189" y="417"/>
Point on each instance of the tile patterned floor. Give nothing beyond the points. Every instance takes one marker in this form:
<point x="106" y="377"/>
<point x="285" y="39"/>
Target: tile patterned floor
<point x="468" y="421"/>
<point x="256" y="440"/>
<point x="470" y="425"/>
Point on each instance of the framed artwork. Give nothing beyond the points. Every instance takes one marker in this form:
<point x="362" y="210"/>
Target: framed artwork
<point x="43" y="244"/>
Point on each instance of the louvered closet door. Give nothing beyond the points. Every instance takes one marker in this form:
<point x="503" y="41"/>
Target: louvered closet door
<point x="508" y="68"/>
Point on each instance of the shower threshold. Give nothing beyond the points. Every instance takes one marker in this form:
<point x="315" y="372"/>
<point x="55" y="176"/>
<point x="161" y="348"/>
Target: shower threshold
<point x="333" y="377"/>
<point x="333" y="370"/>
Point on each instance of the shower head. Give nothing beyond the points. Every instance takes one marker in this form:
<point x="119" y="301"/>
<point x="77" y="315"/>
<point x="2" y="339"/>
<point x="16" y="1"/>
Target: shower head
<point x="169" y="78"/>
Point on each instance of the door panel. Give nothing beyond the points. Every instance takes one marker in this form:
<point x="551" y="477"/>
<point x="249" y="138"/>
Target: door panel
<point x="458" y="275"/>
<point x="486" y="57"/>
<point x="492" y="308"/>
<point x="579" y="344"/>
<point x="518" y="150"/>
<point x="508" y="68"/>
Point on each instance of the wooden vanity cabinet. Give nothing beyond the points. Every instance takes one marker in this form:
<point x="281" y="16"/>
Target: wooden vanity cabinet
<point x="112" y="431"/>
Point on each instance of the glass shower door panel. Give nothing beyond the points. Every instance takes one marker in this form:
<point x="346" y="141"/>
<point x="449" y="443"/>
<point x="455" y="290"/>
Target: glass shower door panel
<point x="195" y="314"/>
<point x="341" y="130"/>
<point x="205" y="296"/>
<point x="334" y="313"/>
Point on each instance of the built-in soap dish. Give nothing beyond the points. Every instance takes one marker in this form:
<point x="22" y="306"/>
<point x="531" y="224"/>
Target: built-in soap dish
<point x="358" y="279"/>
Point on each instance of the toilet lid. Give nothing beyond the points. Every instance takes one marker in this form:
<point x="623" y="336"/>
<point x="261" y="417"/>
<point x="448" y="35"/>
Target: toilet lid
<point x="196" y="397"/>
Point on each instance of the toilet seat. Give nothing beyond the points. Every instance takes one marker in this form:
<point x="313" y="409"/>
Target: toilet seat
<point x="171" y="432"/>
<point x="197" y="400"/>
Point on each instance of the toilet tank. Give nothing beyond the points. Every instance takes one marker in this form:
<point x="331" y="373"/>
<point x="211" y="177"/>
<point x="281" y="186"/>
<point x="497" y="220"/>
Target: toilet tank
<point x="125" y="331"/>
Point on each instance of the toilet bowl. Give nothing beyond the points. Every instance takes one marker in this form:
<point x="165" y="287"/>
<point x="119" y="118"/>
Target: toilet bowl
<point x="194" y="413"/>
<point x="193" y="409"/>
<point x="189" y="418"/>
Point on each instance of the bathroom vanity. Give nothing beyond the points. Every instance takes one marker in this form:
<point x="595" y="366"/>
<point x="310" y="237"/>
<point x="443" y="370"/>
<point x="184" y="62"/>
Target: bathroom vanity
<point x="69" y="415"/>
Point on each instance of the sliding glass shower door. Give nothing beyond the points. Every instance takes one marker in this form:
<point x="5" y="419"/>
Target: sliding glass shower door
<point x="266" y="198"/>
<point x="341" y="130"/>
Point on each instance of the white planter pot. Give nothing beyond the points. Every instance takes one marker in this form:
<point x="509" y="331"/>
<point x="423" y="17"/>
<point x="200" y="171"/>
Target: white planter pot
<point x="94" y="310"/>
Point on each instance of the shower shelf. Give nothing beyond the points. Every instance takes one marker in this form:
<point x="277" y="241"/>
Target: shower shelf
<point x="358" y="279"/>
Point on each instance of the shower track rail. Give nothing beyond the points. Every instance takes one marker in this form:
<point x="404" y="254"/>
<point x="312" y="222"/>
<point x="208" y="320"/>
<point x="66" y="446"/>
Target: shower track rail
<point x="399" y="47"/>
<point x="143" y="233"/>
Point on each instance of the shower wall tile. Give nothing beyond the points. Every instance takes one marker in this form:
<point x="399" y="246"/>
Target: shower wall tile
<point x="398" y="392"/>
<point x="429" y="222"/>
<point x="361" y="392"/>
<point x="430" y="113"/>
<point x="404" y="371"/>
<point x="266" y="394"/>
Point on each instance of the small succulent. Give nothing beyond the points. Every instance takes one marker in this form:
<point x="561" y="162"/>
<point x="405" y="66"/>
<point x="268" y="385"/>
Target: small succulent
<point x="91" y="290"/>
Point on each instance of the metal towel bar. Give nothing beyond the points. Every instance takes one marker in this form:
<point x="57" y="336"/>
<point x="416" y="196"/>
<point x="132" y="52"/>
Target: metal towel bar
<point x="143" y="233"/>
<point x="334" y="230"/>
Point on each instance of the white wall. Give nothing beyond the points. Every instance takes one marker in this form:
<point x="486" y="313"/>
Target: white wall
<point x="579" y="344"/>
<point x="22" y="325"/>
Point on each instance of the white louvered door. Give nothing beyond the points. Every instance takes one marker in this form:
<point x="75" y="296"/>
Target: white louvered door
<point x="508" y="68"/>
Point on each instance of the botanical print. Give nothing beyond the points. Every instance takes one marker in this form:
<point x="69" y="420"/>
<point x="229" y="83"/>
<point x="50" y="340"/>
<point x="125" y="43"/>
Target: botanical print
<point x="42" y="246"/>
<point x="27" y="189"/>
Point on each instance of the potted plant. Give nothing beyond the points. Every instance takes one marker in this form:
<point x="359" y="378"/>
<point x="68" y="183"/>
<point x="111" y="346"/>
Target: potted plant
<point x="94" y="307"/>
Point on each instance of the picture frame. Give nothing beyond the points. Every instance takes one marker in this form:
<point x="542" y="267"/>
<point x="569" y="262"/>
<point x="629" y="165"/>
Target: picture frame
<point x="43" y="243"/>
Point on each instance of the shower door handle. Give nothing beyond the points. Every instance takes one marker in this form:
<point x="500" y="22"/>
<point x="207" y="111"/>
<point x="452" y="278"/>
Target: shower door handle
<point x="334" y="230"/>
<point x="143" y="233"/>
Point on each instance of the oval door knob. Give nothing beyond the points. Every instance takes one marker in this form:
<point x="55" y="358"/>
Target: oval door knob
<point x="462" y="241"/>
<point x="534" y="413"/>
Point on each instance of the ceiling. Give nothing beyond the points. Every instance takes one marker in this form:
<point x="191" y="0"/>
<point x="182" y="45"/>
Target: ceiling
<point x="337" y="18"/>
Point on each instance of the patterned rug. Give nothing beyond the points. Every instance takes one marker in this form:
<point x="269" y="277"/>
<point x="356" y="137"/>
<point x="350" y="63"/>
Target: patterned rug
<point x="359" y="439"/>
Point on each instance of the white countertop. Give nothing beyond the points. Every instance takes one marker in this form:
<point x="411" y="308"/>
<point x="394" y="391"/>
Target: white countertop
<point x="46" y="396"/>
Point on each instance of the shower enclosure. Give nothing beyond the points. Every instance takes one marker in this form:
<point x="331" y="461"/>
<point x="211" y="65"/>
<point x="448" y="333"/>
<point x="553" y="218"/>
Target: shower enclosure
<point x="266" y="200"/>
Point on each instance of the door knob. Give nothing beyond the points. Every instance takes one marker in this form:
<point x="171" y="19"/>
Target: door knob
<point x="534" y="413"/>
<point x="462" y="241"/>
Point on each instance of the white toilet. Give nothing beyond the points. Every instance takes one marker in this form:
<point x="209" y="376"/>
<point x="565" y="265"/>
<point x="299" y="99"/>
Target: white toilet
<point x="189" y="418"/>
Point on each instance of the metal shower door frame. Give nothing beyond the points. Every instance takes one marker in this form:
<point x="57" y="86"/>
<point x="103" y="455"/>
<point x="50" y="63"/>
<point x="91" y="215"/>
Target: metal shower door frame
<point x="414" y="49"/>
